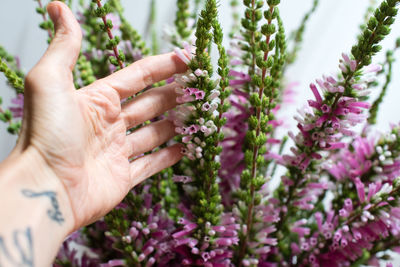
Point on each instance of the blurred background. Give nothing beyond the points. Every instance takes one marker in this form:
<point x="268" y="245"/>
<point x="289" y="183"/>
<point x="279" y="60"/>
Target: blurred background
<point x="330" y="31"/>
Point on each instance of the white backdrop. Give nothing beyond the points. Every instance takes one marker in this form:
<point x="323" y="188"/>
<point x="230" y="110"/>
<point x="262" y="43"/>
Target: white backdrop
<point x="330" y="32"/>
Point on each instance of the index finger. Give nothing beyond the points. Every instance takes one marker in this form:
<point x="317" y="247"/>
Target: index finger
<point x="144" y="73"/>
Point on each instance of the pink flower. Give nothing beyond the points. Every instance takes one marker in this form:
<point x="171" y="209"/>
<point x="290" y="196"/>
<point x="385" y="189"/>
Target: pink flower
<point x="199" y="95"/>
<point x="18" y="109"/>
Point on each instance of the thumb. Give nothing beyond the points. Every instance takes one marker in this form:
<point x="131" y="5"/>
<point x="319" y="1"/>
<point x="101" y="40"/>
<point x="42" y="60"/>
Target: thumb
<point x="64" y="49"/>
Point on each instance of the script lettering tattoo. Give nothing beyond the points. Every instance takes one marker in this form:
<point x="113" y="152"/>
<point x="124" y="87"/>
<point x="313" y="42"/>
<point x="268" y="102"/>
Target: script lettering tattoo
<point x="54" y="213"/>
<point x="22" y="242"/>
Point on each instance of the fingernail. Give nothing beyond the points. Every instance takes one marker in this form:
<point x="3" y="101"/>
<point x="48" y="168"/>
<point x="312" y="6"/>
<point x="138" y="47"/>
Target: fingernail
<point x="54" y="12"/>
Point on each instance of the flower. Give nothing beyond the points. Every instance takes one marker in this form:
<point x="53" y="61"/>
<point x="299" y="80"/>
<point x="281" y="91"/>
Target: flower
<point x="18" y="108"/>
<point x="214" y="250"/>
<point x="329" y="119"/>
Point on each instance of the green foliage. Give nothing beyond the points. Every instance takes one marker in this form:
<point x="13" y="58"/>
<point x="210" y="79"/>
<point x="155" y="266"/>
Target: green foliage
<point x="181" y="20"/>
<point x="6" y="116"/>
<point x="389" y="71"/>
<point x="118" y="57"/>
<point x="207" y="195"/>
<point x="236" y="18"/>
<point x="367" y="46"/>
<point x="46" y="24"/>
<point x="11" y="61"/>
<point x="14" y="80"/>
<point x="378" y="28"/>
<point x="153" y="27"/>
<point x="85" y="70"/>
<point x="266" y="55"/>
<point x="131" y="35"/>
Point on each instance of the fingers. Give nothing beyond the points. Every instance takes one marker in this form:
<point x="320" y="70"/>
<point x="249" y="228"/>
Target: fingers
<point x="149" y="165"/>
<point x="144" y="73"/>
<point x="55" y="67"/>
<point x="149" y="105"/>
<point x="150" y="136"/>
<point x="65" y="46"/>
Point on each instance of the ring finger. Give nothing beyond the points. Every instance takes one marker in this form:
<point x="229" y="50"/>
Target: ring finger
<point x="150" y="136"/>
<point x="149" y="105"/>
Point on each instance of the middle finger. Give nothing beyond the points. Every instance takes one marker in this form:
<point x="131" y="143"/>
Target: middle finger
<point x="149" y="105"/>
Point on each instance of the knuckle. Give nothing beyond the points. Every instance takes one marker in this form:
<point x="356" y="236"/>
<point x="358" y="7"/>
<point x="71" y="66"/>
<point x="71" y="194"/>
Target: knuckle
<point x="146" y="75"/>
<point x="130" y="120"/>
<point x="32" y="78"/>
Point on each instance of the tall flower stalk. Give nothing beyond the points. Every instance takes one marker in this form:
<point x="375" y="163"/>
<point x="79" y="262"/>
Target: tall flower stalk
<point x="389" y="71"/>
<point x="199" y="121"/>
<point x="265" y="83"/>
<point x="119" y="56"/>
<point x="181" y="20"/>
<point x="333" y="113"/>
<point x="45" y="24"/>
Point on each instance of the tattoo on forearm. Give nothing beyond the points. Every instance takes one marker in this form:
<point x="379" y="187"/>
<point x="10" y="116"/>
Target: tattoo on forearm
<point x="54" y="213"/>
<point x="23" y="245"/>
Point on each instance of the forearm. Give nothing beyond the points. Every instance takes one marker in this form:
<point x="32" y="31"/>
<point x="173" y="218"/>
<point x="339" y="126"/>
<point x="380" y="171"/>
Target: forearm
<point x="34" y="215"/>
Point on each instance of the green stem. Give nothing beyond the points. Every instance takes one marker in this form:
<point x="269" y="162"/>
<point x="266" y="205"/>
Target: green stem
<point x="153" y="27"/>
<point x="375" y="106"/>
<point x="49" y="31"/>
<point x="250" y="215"/>
<point x="110" y="36"/>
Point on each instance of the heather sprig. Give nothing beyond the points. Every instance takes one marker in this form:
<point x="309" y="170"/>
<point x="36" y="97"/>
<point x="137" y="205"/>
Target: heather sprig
<point x="181" y="19"/>
<point x="165" y="191"/>
<point x="198" y="4"/>
<point x="373" y="112"/>
<point x="129" y="34"/>
<point x="379" y="252"/>
<point x="342" y="237"/>
<point x="324" y="125"/>
<point x="368" y="13"/>
<point x="223" y="72"/>
<point x="152" y="27"/>
<point x="12" y="62"/>
<point x="365" y="182"/>
<point x="95" y="39"/>
<point x="367" y="160"/>
<point x="101" y="11"/>
<point x="7" y="116"/>
<point x="85" y="69"/>
<point x="263" y="101"/>
<point x="204" y="167"/>
<point x="206" y="230"/>
<point x="236" y="18"/>
<point x="45" y="24"/>
<point x="368" y="42"/>
<point x="13" y="79"/>
<point x="133" y="37"/>
<point x="140" y="230"/>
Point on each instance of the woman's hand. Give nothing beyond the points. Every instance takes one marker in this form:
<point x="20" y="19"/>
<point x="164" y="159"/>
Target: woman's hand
<point x="80" y="135"/>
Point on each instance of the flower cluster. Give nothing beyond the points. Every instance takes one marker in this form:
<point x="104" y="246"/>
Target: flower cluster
<point x="362" y="219"/>
<point x="211" y="251"/>
<point x="323" y="125"/>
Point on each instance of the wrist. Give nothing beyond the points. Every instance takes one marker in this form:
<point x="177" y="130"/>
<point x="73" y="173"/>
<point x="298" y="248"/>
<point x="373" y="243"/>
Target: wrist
<point x="37" y="204"/>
